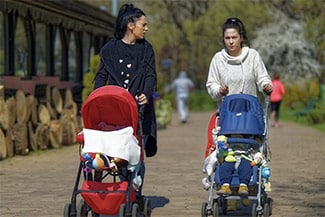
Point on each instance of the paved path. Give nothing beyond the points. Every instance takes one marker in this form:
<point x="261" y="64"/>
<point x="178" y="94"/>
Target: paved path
<point x="38" y="185"/>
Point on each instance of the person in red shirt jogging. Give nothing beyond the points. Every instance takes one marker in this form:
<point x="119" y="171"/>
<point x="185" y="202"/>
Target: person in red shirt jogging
<point x="276" y="99"/>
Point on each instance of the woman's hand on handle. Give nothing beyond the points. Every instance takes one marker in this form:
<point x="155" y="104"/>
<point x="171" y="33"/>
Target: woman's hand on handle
<point x="141" y="99"/>
<point x="268" y="88"/>
<point x="223" y="90"/>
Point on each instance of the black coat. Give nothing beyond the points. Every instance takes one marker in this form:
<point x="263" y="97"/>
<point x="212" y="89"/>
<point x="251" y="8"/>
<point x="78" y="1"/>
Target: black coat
<point x="142" y="81"/>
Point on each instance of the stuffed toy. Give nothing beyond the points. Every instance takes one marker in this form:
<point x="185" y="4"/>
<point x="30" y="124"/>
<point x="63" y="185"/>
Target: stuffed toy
<point x="217" y="155"/>
<point x="258" y="159"/>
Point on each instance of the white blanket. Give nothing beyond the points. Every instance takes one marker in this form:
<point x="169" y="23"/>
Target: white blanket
<point x="119" y="143"/>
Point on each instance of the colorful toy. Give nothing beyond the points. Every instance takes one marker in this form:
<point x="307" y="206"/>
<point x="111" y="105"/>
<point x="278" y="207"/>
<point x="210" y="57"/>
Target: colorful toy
<point x="98" y="163"/>
<point x="222" y="143"/>
<point x="258" y="159"/>
<point x="230" y="156"/>
<point x="266" y="172"/>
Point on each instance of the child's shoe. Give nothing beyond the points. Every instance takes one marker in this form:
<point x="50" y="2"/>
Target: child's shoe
<point x="243" y="190"/>
<point x="267" y="186"/>
<point x="224" y="190"/>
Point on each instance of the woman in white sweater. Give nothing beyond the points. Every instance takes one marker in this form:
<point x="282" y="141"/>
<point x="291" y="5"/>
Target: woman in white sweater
<point x="236" y="68"/>
<point x="233" y="70"/>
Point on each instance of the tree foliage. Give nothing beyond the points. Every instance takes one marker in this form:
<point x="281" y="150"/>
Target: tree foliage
<point x="188" y="32"/>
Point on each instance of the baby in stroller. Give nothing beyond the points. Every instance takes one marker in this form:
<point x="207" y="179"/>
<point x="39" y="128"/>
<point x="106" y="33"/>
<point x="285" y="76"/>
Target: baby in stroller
<point x="110" y="146"/>
<point x="235" y="137"/>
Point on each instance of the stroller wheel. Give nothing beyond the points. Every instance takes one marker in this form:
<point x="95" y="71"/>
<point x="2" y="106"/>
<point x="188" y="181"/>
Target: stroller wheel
<point x="135" y="210"/>
<point x="204" y="211"/>
<point x="224" y="206"/>
<point x="270" y="202"/>
<point x="266" y="210"/>
<point x="82" y="209"/>
<point x="254" y="210"/>
<point x="147" y="208"/>
<point x="122" y="210"/>
<point x="215" y="209"/>
<point x="66" y="212"/>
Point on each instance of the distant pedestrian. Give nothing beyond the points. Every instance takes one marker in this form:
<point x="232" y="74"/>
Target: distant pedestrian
<point x="276" y="99"/>
<point x="183" y="86"/>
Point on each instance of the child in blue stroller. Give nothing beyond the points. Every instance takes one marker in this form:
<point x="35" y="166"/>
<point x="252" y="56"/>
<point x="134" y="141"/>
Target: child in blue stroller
<point x="236" y="162"/>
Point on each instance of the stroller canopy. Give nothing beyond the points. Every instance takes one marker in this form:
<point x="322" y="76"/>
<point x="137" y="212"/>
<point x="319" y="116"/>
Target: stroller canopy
<point x="241" y="114"/>
<point x="112" y="105"/>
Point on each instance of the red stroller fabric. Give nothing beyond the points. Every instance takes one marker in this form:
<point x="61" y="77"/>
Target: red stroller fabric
<point x="107" y="202"/>
<point x="210" y="143"/>
<point x="112" y="105"/>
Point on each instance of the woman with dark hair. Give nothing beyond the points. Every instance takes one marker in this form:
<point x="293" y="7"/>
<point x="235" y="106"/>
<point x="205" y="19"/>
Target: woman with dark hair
<point x="236" y="68"/>
<point x="128" y="61"/>
<point x="233" y="70"/>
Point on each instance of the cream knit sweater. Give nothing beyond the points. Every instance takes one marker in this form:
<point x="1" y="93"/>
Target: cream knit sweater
<point x="242" y="74"/>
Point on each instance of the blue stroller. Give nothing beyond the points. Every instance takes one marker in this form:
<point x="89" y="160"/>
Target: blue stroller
<point x="244" y="123"/>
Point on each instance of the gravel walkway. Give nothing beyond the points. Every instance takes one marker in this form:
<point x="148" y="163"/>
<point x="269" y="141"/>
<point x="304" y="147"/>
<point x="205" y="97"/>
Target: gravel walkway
<point x="40" y="184"/>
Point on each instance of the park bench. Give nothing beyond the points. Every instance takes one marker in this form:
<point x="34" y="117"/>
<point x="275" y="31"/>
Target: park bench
<point x="310" y="106"/>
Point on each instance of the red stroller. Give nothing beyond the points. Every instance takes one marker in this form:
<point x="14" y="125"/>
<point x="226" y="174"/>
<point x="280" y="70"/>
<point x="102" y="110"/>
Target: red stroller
<point x="110" y="146"/>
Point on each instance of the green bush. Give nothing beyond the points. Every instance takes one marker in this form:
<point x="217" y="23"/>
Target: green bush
<point x="317" y="116"/>
<point x="88" y="78"/>
<point x="163" y="108"/>
<point x="298" y="93"/>
<point x="201" y="101"/>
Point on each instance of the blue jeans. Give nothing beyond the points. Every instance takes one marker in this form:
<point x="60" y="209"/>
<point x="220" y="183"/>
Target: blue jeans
<point x="244" y="172"/>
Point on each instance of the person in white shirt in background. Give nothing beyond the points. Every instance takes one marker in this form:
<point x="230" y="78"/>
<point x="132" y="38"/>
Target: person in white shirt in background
<point x="183" y="86"/>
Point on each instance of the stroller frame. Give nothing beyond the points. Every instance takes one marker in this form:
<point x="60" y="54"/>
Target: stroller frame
<point x="98" y="197"/>
<point x="262" y="206"/>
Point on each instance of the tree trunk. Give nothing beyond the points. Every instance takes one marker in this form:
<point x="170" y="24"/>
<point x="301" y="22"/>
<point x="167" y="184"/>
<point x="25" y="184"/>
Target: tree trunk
<point x="32" y="137"/>
<point x="55" y="134"/>
<point x="3" y="146"/>
<point x="10" y="142"/>
<point x="33" y="103"/>
<point x="30" y="103"/>
<point x="42" y="135"/>
<point x="57" y="100"/>
<point x="44" y="115"/>
<point x="21" y="107"/>
<point x="4" y="122"/>
<point x="21" y="140"/>
<point x="52" y="111"/>
<point x="68" y="127"/>
<point x="11" y="104"/>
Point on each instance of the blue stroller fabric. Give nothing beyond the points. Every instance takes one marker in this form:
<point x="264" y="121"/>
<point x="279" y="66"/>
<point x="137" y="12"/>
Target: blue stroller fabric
<point x="241" y="114"/>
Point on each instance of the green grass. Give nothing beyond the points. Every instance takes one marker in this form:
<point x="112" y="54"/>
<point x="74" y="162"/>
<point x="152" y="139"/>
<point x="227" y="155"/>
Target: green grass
<point x="288" y="115"/>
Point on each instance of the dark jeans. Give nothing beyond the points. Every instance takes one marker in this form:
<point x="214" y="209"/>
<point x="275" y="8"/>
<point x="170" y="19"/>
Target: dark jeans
<point x="244" y="172"/>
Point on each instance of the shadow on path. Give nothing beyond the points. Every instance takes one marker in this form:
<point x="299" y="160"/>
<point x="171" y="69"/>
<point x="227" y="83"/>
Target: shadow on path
<point x="158" y="201"/>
